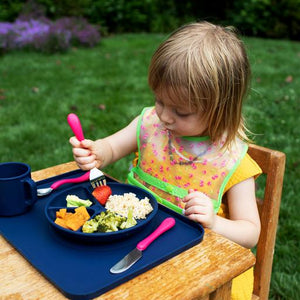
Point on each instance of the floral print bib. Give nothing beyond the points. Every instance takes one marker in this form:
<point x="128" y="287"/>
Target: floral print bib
<point x="169" y="166"/>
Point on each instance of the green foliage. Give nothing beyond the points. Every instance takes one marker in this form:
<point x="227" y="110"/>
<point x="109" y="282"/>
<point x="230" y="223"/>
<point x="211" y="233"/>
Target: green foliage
<point x="121" y="15"/>
<point x="55" y="9"/>
<point x="138" y="16"/>
<point x="9" y="10"/>
<point x="267" y="18"/>
<point x="107" y="86"/>
<point x="264" y="18"/>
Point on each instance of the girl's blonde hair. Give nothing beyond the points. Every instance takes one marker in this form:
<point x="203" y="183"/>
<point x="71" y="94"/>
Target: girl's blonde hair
<point x="207" y="66"/>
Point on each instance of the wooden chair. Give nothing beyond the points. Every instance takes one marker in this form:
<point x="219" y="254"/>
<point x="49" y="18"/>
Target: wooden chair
<point x="273" y="165"/>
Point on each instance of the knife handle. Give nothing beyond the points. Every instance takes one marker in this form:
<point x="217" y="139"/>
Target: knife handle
<point x="75" y="125"/>
<point x="165" y="225"/>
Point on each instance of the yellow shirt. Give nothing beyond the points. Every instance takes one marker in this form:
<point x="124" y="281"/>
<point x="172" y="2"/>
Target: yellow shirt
<point x="247" y="168"/>
<point x="242" y="286"/>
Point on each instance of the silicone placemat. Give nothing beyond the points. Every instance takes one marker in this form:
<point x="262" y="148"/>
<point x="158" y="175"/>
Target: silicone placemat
<point x="81" y="270"/>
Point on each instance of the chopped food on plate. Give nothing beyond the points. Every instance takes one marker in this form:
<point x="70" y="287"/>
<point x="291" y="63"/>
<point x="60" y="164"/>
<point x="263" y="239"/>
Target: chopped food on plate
<point x="122" y="211"/>
<point x="75" y="201"/>
<point x="108" y="222"/>
<point x="71" y="220"/>
<point x="121" y="203"/>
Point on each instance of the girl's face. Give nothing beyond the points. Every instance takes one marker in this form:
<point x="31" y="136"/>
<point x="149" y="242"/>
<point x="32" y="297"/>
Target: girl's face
<point x="178" y="117"/>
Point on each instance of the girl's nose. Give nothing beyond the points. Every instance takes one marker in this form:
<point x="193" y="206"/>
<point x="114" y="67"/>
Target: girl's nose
<point x="166" y="116"/>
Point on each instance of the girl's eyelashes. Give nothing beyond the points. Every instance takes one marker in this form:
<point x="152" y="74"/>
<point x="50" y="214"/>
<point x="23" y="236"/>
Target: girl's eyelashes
<point x="179" y="113"/>
<point x="182" y="115"/>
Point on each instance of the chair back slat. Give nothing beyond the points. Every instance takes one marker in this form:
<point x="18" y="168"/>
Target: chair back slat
<point x="273" y="165"/>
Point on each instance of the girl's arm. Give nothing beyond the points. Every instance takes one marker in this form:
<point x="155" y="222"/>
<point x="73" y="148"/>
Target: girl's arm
<point x="121" y="143"/>
<point x="100" y="153"/>
<point x="243" y="225"/>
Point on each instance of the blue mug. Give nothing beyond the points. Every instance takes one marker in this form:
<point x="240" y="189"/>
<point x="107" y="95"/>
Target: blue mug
<point x="18" y="192"/>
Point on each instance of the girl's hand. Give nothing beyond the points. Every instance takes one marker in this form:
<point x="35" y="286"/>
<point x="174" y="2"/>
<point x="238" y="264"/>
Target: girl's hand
<point x="199" y="208"/>
<point x="102" y="152"/>
<point x="87" y="153"/>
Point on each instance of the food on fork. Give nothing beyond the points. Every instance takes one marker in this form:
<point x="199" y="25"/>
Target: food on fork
<point x="102" y="193"/>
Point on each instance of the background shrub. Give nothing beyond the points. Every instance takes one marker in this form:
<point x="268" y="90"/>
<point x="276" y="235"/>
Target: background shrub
<point x="151" y="15"/>
<point x="46" y="36"/>
<point x="263" y="18"/>
<point x="267" y="18"/>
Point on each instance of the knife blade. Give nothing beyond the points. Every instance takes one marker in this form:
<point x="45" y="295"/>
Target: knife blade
<point x="132" y="257"/>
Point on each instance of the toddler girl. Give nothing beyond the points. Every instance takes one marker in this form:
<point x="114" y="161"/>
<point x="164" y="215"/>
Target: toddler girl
<point x="191" y="146"/>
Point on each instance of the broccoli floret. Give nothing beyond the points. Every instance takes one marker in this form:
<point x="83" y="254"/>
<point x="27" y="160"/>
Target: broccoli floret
<point x="108" y="222"/>
<point x="102" y="227"/>
<point x="90" y="226"/>
<point x="113" y="226"/>
<point x="111" y="216"/>
<point x="100" y="217"/>
<point x="130" y="220"/>
<point x="113" y="221"/>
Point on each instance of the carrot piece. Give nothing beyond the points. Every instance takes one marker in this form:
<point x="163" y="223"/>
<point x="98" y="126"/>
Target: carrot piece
<point x="74" y="223"/>
<point x="61" y="213"/>
<point x="83" y="211"/>
<point x="61" y="222"/>
<point x="70" y="220"/>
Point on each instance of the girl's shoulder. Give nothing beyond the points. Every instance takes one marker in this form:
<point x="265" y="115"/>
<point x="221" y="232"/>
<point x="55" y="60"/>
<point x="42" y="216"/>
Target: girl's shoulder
<point x="246" y="169"/>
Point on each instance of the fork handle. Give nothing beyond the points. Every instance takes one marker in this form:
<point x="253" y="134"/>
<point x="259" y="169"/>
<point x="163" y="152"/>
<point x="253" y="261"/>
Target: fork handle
<point x="82" y="178"/>
<point x="75" y="125"/>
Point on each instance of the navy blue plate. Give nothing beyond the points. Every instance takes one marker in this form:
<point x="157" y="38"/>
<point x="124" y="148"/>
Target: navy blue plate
<point x="82" y="191"/>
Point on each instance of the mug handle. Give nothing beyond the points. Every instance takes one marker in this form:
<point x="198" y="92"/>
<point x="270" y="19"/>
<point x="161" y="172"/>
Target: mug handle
<point x="33" y="191"/>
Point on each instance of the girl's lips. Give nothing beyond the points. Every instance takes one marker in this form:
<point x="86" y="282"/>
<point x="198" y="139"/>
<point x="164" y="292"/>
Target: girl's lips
<point x="168" y="128"/>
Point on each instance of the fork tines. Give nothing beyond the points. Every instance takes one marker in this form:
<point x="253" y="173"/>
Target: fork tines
<point x="97" y="178"/>
<point x="99" y="182"/>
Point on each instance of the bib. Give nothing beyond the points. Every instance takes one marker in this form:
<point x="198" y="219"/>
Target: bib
<point x="169" y="166"/>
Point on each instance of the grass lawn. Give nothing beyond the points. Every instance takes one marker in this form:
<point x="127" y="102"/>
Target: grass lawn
<point x="107" y="86"/>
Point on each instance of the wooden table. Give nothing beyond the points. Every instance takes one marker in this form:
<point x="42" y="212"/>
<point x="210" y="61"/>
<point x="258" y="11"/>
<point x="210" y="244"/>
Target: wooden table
<point x="202" y="272"/>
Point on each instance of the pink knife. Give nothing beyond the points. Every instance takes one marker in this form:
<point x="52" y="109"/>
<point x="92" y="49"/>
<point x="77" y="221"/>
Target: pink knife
<point x="132" y="257"/>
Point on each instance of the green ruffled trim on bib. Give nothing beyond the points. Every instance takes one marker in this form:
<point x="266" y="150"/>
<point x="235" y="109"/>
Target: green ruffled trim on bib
<point x="138" y="132"/>
<point x="135" y="182"/>
<point x="226" y="179"/>
<point x="167" y="187"/>
<point x="196" y="138"/>
<point x="164" y="186"/>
